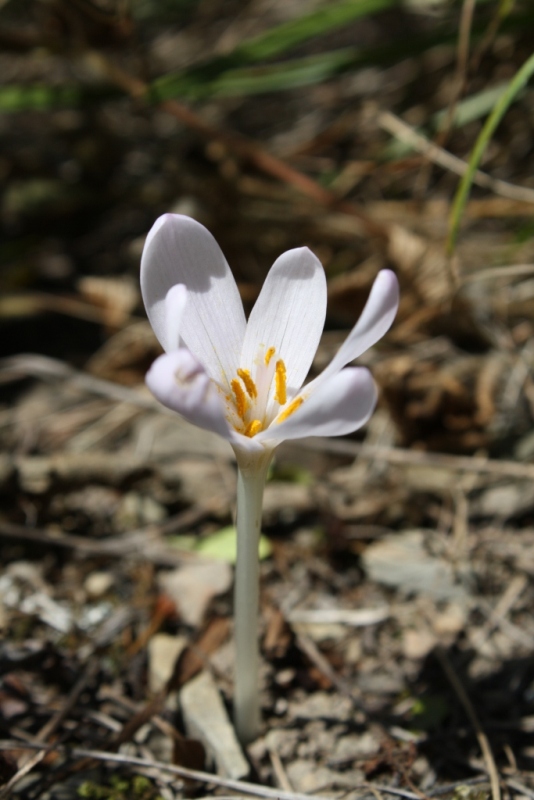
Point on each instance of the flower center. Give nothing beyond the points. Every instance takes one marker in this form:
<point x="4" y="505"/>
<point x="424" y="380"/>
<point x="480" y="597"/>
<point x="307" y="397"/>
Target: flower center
<point x="253" y="402"/>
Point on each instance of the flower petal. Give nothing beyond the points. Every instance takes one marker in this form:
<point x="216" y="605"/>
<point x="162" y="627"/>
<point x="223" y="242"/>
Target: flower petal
<point x="180" y="250"/>
<point x="339" y="405"/>
<point x="289" y="314"/>
<point x="178" y="380"/>
<point x="175" y="301"/>
<point x="374" y="322"/>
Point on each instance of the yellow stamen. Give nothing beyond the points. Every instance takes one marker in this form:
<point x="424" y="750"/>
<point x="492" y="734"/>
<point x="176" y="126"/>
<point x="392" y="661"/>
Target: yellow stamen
<point x="280" y="380"/>
<point x="269" y="354"/>
<point x="250" y="386"/>
<point x="253" y="428"/>
<point x="240" y="398"/>
<point x="296" y="403"/>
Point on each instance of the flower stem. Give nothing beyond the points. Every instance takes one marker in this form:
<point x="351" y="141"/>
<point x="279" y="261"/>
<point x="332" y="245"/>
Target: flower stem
<point x="250" y="485"/>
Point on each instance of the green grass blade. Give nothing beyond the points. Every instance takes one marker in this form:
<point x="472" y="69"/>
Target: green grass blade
<point x="195" y="81"/>
<point x="517" y="83"/>
<point x="471" y="108"/>
<point x="468" y="110"/>
<point x="289" y="34"/>
<point x="38" y="97"/>
<point x="280" y="77"/>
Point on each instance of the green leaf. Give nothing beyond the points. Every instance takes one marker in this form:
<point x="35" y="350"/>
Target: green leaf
<point x="258" y="80"/>
<point x="517" y="83"/>
<point x="40" y="97"/>
<point x="471" y="108"/>
<point x="187" y="543"/>
<point x="37" y="97"/>
<point x="279" y="77"/>
<point x="289" y="34"/>
<point x="219" y="546"/>
<point x="222" y="545"/>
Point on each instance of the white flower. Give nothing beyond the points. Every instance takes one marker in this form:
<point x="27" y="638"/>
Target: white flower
<point x="244" y="380"/>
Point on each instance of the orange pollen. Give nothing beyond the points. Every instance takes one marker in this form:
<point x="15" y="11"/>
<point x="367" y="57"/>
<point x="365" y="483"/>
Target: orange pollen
<point x="280" y="379"/>
<point x="240" y="398"/>
<point x="250" y="386"/>
<point x="253" y="428"/>
<point x="269" y="354"/>
<point x="296" y="403"/>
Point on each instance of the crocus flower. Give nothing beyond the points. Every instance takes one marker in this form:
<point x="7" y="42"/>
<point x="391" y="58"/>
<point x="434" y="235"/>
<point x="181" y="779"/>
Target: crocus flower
<point x="245" y="381"/>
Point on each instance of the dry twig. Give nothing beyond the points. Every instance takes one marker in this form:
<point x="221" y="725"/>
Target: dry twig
<point x="243" y="787"/>
<point x="397" y="455"/>
<point x="483" y="741"/>
<point x="405" y="133"/>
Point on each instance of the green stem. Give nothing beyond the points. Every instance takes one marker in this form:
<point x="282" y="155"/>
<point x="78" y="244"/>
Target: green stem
<point x="250" y="484"/>
<point x="517" y="83"/>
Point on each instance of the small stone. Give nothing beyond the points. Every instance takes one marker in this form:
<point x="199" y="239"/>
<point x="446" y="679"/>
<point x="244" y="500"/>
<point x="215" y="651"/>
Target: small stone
<point x="354" y="746"/>
<point x="505" y="500"/>
<point x="418" y="644"/>
<point x="163" y="652"/>
<point x="34" y="474"/>
<point x="285" y="676"/>
<point x="450" y="621"/>
<point x="206" y="719"/>
<point x="402" y="561"/>
<point x="318" y="739"/>
<point x="98" y="584"/>
<point x="306" y="776"/>
<point x="193" y="587"/>
<point x="322" y="705"/>
<point x="377" y="682"/>
<point x="99" y="502"/>
<point x="283" y="742"/>
<point x="281" y="706"/>
<point x="56" y="615"/>
<point x="353" y="651"/>
<point x="319" y="631"/>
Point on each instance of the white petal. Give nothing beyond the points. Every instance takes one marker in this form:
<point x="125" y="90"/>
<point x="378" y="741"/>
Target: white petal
<point x="374" y="322"/>
<point x="339" y="405"/>
<point x="289" y="314"/>
<point x="175" y="302"/>
<point x="179" y="381"/>
<point x="180" y="250"/>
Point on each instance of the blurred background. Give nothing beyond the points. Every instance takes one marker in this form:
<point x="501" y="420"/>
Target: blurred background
<point x="346" y="126"/>
<point x="276" y="124"/>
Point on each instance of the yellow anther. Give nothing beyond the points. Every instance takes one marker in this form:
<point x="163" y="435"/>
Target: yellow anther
<point x="250" y="386"/>
<point x="280" y="379"/>
<point x="269" y="354"/>
<point x="241" y="401"/>
<point x="296" y="403"/>
<point x="253" y="428"/>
